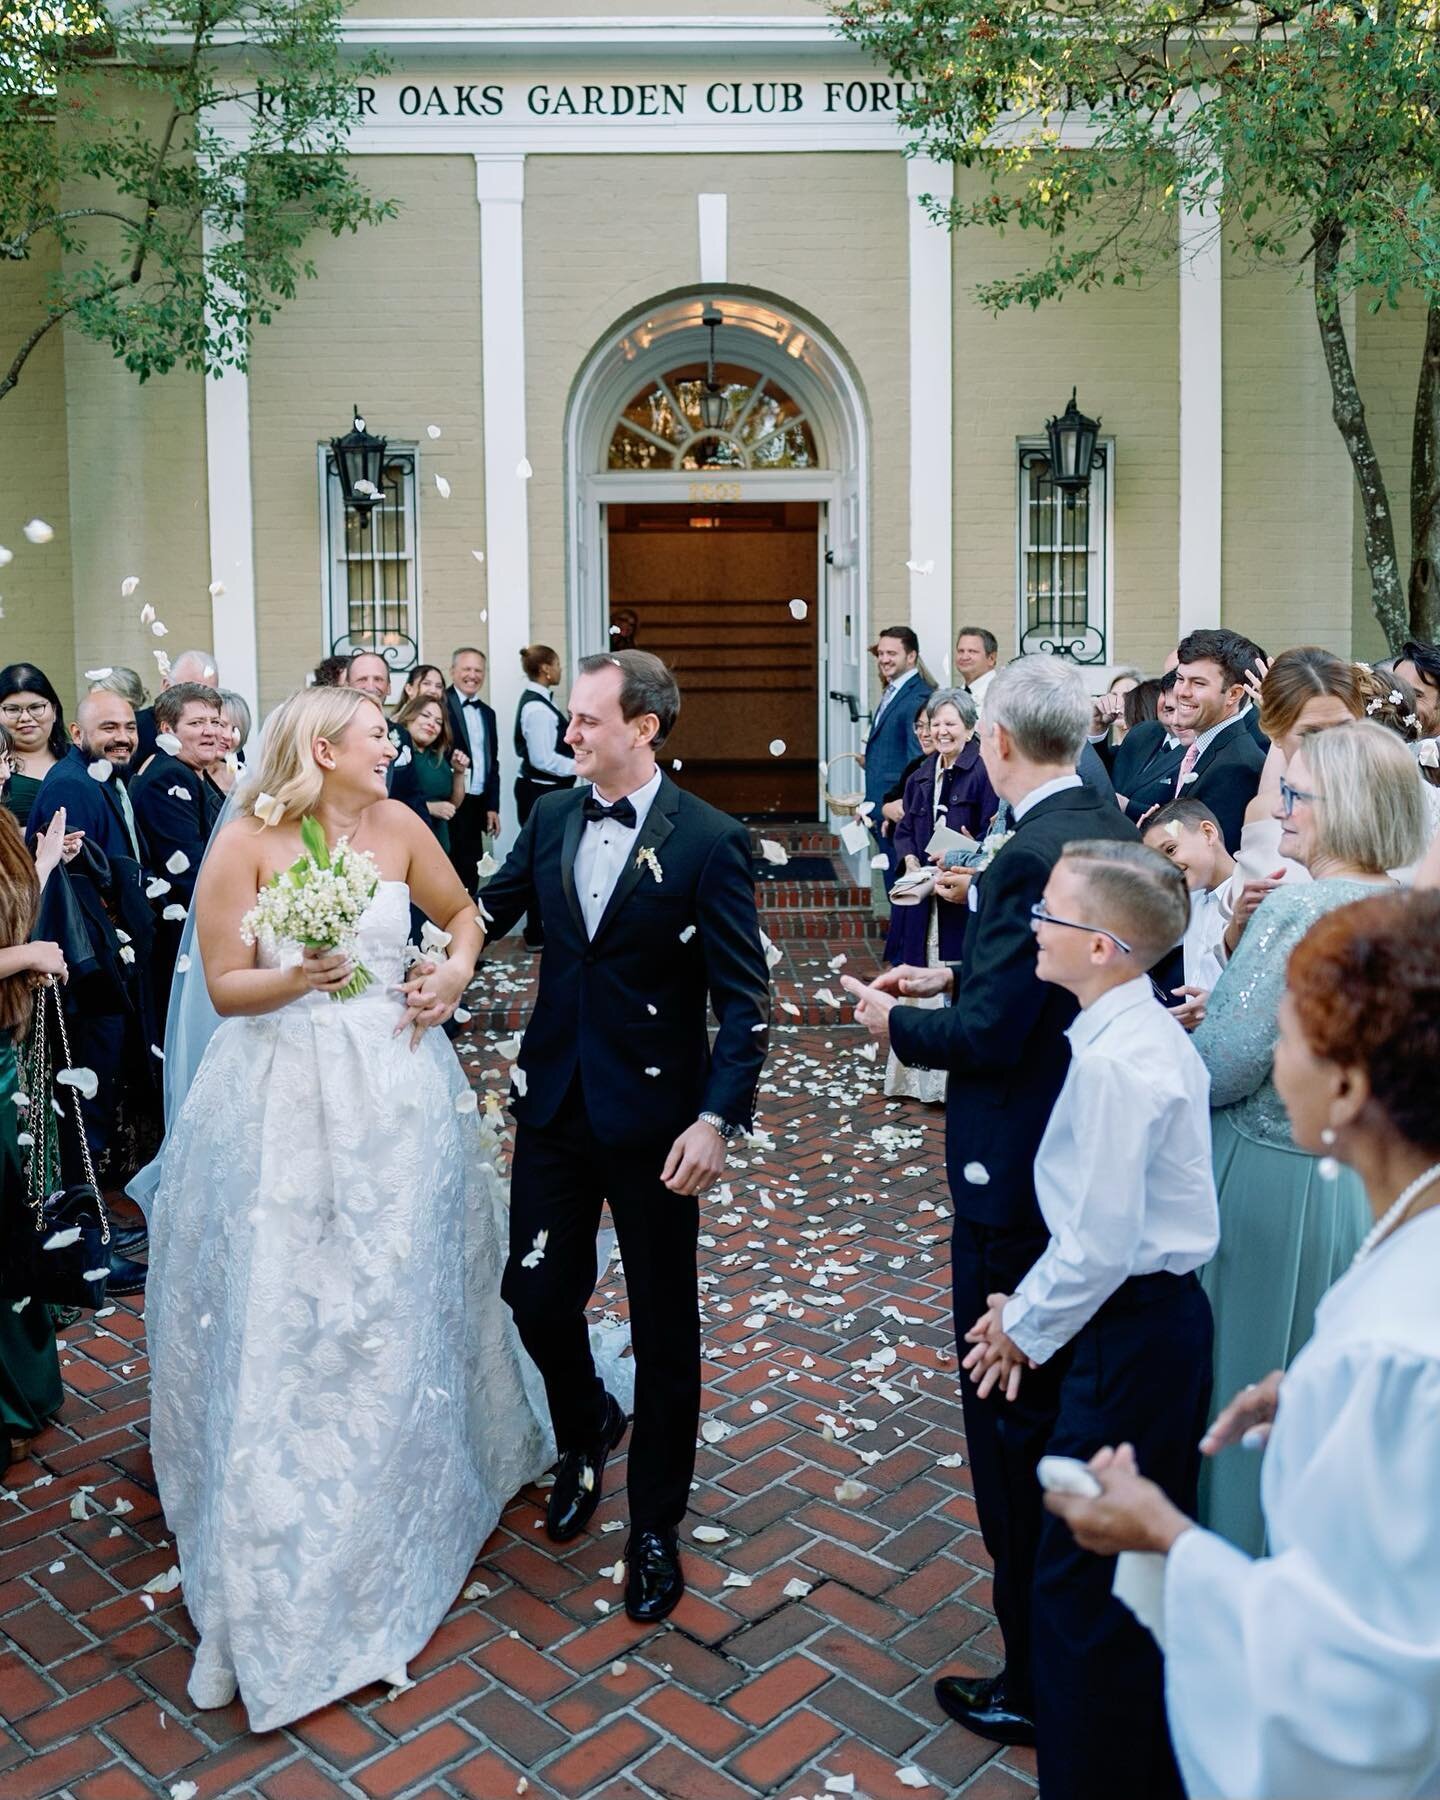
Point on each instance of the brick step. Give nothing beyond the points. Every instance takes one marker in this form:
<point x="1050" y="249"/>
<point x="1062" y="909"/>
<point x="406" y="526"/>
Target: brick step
<point x="826" y="896"/>
<point x="850" y="923"/>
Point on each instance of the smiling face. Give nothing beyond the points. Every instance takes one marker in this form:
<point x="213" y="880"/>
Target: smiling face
<point x="1298" y="825"/>
<point x="1063" y="954"/>
<point x="468" y="673"/>
<point x="610" y="750"/>
<point x="1203" y="697"/>
<point x="922" y="732"/>
<point x="29" y="719"/>
<point x="972" y="660"/>
<point x="203" y="736"/>
<point x="431" y="684"/>
<point x="948" y="732"/>
<point x="371" y="675"/>
<point x="425" y="725"/>
<point x="1427" y="697"/>
<point x="355" y="763"/>
<point x="1194" y="850"/>
<point x="105" y="727"/>
<point x="892" y="658"/>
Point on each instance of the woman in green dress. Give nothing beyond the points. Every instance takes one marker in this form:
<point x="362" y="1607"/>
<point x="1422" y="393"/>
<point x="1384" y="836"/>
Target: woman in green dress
<point x="30" y="1390"/>
<point x="1351" y="807"/>
<point x="31" y="713"/>
<point x="439" y="772"/>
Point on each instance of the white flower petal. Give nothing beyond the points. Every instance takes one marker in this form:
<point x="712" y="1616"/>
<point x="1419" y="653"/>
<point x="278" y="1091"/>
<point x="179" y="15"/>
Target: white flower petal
<point x="796" y="1589"/>
<point x="39" y="532"/>
<point x="736" y="1580"/>
<point x="164" y="1584"/>
<point x="147" y="614"/>
<point x="168" y="742"/>
<point x="158" y="629"/>
<point x="919" y="568"/>
<point x="687" y="934"/>
<point x="176" y="912"/>
<point x="432" y="431"/>
<point x="129" y="585"/>
<point x="98" y="674"/>
<point x="912" y="1777"/>
<point x="156" y="886"/>
<point x="84" y="1081"/>
<point x="479" y="555"/>
<point x="217" y="588"/>
<point x="442" y="487"/>
<point x="178" y="862"/>
<point x="523" y="469"/>
<point x="182" y="965"/>
<point x="6" y="556"/>
<point x="99" y="770"/>
<point x="777" y="746"/>
<point x="850" y="1490"/>
<point x="467" y="1102"/>
<point x="773" y="852"/>
<point x="709" y="1534"/>
<point x="269" y="810"/>
<point x="976" y="1174"/>
<point x="798" y="609"/>
<point x="519" y="1080"/>
<point x="715" y="1431"/>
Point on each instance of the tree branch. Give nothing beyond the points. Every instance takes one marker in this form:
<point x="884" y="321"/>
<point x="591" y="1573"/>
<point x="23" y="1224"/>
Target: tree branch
<point x="15" y="248"/>
<point x="23" y="354"/>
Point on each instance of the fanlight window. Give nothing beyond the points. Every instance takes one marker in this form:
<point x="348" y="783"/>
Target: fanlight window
<point x="663" y="428"/>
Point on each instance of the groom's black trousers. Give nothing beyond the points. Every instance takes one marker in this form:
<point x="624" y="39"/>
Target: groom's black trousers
<point x="560" y="1175"/>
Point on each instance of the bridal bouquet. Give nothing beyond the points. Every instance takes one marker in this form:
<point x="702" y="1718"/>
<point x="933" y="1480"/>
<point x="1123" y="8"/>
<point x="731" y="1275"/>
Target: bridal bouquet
<point x="318" y="902"/>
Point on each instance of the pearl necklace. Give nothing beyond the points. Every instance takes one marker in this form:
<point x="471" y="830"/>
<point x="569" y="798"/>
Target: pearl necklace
<point x="1395" y="1212"/>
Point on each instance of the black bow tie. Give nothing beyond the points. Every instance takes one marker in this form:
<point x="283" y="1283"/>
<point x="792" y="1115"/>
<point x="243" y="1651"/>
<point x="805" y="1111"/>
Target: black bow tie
<point x="474" y="701"/>
<point x="596" y="811"/>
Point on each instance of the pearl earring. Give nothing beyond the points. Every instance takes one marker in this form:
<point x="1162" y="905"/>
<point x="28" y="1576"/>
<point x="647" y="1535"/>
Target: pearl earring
<point x="1329" y="1168"/>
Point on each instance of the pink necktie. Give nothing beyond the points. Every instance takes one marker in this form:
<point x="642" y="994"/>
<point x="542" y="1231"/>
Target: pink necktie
<point x="1187" y="763"/>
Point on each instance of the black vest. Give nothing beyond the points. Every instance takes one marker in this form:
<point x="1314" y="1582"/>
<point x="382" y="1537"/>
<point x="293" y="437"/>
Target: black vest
<point x="528" y="771"/>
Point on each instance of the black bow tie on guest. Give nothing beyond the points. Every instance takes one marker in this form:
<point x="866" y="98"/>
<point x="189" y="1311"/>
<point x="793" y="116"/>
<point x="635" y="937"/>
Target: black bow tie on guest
<point x="596" y="811"/>
<point x="474" y="700"/>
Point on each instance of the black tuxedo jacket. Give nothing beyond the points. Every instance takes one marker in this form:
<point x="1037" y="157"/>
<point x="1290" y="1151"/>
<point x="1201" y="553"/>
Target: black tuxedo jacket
<point x="1144" y="768"/>
<point x="1003" y="1037"/>
<point x="1226" y="778"/>
<point x="635" y="999"/>
<point x="460" y="740"/>
<point x="175" y="809"/>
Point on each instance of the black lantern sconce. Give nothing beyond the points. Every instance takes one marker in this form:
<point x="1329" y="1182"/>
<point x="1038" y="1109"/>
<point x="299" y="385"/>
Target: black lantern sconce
<point x="360" y="461"/>
<point x="1072" y="450"/>
<point x="714" y="406"/>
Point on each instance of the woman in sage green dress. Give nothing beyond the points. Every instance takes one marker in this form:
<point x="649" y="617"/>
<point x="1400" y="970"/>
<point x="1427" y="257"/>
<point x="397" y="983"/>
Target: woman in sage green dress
<point x="1351" y="808"/>
<point x="30" y="1390"/>
<point x="440" y="779"/>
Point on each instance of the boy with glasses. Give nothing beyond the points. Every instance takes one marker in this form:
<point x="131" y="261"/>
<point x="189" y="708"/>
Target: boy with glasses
<point x="1123" y="1177"/>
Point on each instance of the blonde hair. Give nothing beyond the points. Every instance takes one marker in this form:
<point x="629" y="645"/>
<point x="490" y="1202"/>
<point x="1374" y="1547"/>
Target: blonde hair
<point x="1372" y="804"/>
<point x="288" y="771"/>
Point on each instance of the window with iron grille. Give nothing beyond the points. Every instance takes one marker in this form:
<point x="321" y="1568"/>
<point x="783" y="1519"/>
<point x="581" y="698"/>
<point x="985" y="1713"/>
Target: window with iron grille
<point x="372" y="571"/>
<point x="1063" y="577"/>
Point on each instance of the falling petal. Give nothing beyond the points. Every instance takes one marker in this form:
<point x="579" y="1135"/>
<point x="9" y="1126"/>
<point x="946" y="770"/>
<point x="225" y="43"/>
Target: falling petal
<point x="798" y="609"/>
<point x="850" y="1490"/>
<point x="652" y="1072"/>
<point x="486" y="866"/>
<point x="99" y="770"/>
<point x="39" y="532"/>
<point x="687" y="934"/>
<point x="442" y="487"/>
<point x="677" y="764"/>
<point x="587" y="1478"/>
<point x="432" y="431"/>
<point x="519" y="1080"/>
<point x="777" y="746"/>
<point x="179" y="793"/>
<point x="147" y="614"/>
<point x="98" y="674"/>
<point x="773" y="852"/>
<point x="6" y="556"/>
<point x="129" y="585"/>
<point x="976" y="1174"/>
<point x="177" y="863"/>
<point x="523" y="469"/>
<point x="479" y="555"/>
<point x="467" y="1102"/>
<point x="62" y="1240"/>
<point x="84" y="1081"/>
<point x="168" y="742"/>
<point x="160" y="630"/>
<point x="533" y="1258"/>
<point x="155" y="887"/>
<point x="182" y="965"/>
<point x="919" y="568"/>
<point x="176" y="912"/>
<point x="217" y="588"/>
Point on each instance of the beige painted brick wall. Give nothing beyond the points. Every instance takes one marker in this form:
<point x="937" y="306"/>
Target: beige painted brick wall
<point x="35" y="588"/>
<point x="392" y="324"/>
<point x="825" y="234"/>
<point x="1120" y="350"/>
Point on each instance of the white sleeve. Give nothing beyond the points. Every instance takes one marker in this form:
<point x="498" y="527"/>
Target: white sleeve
<point x="1316" y="1671"/>
<point x="537" y="724"/>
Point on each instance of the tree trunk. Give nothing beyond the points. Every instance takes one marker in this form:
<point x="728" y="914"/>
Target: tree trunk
<point x="1386" y="594"/>
<point x="1425" y="490"/>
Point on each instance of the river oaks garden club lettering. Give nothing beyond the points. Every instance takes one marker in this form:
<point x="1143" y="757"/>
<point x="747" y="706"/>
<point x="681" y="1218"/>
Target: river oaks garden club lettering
<point x="675" y="100"/>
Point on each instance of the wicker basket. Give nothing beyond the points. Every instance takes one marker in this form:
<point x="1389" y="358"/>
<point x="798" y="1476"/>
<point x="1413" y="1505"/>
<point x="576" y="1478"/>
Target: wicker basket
<point x="847" y="804"/>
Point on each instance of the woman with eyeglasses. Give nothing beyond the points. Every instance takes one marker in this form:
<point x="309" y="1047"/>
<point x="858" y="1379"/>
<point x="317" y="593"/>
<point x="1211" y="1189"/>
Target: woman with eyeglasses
<point x="30" y="711"/>
<point x="1350" y="808"/>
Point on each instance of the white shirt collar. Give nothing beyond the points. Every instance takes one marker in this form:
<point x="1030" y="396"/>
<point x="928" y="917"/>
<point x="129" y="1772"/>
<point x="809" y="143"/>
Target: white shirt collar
<point x="1060" y="785"/>
<point x="1206" y="738"/>
<point x="900" y="680"/>
<point x="1111" y="1005"/>
<point x="642" y="799"/>
<point x="538" y="687"/>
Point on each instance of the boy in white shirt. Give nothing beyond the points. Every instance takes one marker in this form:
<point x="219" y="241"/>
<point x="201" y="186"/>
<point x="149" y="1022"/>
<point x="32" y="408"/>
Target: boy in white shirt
<point x="1189" y="834"/>
<point x="1124" y="1182"/>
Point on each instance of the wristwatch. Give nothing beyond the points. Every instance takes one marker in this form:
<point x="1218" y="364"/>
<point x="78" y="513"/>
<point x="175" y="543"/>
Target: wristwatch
<point x="728" y="1132"/>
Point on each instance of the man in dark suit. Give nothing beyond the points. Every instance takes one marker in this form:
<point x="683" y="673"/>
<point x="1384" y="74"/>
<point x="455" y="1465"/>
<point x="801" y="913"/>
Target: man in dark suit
<point x="1003" y="1041"/>
<point x="647" y="900"/>
<point x="472" y="729"/>
<point x="1223" y="762"/>
<point x="103" y="732"/>
<point x="892" y="744"/>
<point x="176" y="807"/>
<point x="1146" y="763"/>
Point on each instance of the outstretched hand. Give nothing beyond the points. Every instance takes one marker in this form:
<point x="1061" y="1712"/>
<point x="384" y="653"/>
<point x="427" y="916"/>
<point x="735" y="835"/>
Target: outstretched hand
<point x="1248" y="1417"/>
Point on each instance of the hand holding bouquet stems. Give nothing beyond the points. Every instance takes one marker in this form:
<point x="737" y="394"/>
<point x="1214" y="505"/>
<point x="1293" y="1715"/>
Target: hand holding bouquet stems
<point x="317" y="903"/>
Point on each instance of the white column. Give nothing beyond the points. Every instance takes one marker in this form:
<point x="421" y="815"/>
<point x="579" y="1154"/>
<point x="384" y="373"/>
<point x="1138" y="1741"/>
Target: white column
<point x="1200" y="416"/>
<point x="232" y="524"/>
<point x="714" y="228"/>
<point x="500" y="189"/>
<point x="932" y="453"/>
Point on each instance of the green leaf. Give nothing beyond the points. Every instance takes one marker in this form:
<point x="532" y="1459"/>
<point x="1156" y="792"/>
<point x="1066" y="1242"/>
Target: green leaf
<point x="312" y="836"/>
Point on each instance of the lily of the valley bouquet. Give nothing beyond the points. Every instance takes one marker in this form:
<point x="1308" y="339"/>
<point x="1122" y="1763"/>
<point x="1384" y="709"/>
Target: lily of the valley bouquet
<point x="317" y="902"/>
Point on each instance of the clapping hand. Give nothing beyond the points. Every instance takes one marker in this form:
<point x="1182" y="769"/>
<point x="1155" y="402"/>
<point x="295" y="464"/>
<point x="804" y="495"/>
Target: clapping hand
<point x="1129" y="1513"/>
<point x="994" y="1356"/>
<point x="1255" y="679"/>
<point x="873" y="1006"/>
<point x="1248" y="1417"/>
<point x="910" y="981"/>
<point x="50" y="846"/>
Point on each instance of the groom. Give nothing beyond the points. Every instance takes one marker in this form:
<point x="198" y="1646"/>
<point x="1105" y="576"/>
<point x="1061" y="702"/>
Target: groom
<point x="647" y="899"/>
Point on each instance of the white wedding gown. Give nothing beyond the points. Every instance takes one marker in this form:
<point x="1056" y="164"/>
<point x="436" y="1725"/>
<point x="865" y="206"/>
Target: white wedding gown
<point x="340" y="1404"/>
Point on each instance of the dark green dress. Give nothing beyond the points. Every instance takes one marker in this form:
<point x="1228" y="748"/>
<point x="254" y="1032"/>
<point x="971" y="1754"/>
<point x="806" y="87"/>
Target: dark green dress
<point x="20" y="792"/>
<point x="30" y="1390"/>
<point x="435" y="779"/>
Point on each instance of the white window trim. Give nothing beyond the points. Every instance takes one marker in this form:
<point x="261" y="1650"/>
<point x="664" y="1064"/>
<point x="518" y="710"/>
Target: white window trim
<point x="1108" y="513"/>
<point x="329" y="565"/>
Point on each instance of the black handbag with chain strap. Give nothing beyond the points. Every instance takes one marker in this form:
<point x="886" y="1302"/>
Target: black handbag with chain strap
<point x="60" y="1247"/>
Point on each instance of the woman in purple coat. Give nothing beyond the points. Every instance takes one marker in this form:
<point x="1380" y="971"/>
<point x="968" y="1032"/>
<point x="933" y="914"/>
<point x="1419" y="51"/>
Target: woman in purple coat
<point x="949" y="788"/>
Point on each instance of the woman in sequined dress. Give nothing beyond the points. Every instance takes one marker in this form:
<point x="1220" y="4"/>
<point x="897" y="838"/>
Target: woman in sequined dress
<point x="1351" y="807"/>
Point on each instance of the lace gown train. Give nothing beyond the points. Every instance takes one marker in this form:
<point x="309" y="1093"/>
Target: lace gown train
<point x="341" y="1406"/>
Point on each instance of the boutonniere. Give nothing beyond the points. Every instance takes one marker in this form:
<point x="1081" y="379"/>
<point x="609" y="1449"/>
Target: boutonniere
<point x="991" y="848"/>
<point x="645" y="858"/>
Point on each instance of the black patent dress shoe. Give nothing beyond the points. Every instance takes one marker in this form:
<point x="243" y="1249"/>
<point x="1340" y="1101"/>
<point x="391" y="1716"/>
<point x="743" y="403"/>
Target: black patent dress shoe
<point x="580" y="1477"/>
<point x="654" y="1583"/>
<point x="125" y="1277"/>
<point x="981" y="1705"/>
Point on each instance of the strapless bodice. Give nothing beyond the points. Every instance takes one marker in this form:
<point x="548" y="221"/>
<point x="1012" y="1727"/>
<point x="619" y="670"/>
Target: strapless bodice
<point x="379" y="944"/>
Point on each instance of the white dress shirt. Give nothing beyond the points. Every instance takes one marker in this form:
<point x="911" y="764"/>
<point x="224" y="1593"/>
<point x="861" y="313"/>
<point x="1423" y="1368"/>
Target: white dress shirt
<point x="978" y="686"/>
<point x="537" y="727"/>
<point x="1207" y="738"/>
<point x="1060" y="785"/>
<point x="1204" y="959"/>
<point x="604" y="849"/>
<point x="1123" y="1173"/>
<point x="476" y="746"/>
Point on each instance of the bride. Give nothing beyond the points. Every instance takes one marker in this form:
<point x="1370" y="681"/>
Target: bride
<point x="340" y="1404"/>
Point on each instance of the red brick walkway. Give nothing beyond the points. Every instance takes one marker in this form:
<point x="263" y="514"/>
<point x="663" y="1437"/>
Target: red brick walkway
<point x="802" y="1657"/>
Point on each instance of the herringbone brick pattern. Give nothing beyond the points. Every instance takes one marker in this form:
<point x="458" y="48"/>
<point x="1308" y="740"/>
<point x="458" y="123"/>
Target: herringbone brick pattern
<point x="800" y="1661"/>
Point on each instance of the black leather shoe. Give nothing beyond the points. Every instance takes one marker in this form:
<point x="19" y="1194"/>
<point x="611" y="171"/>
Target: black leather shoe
<point x="982" y="1706"/>
<point x="126" y="1239"/>
<point x="580" y="1477"/>
<point x="126" y="1277"/>
<point x="654" y="1583"/>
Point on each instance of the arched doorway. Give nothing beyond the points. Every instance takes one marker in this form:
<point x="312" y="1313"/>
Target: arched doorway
<point x="733" y="542"/>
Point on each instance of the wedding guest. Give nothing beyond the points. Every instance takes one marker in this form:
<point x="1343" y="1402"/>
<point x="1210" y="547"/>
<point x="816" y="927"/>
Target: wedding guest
<point x="1222" y="764"/>
<point x="427" y="679"/>
<point x="176" y="808"/>
<point x="236" y="720"/>
<point x="1146" y="764"/>
<point x="197" y="666"/>
<point x="893" y="810"/>
<point x="440" y="782"/>
<point x="975" y="652"/>
<point x="950" y="788"/>
<point x="1110" y="711"/>
<point x="31" y="712"/>
<point x="103" y="733"/>
<point x="329" y="672"/>
<point x="1124" y="1185"/>
<point x="1188" y="834"/>
<point x="1316" y="1671"/>
<point x="891" y="743"/>
<point x="31" y="1393"/>
<point x="126" y="683"/>
<point x="1003" y="1041"/>
<point x="1351" y="808"/>
<point x="368" y="673"/>
<point x="547" y="762"/>
<point x="1418" y="664"/>
<point x="473" y="731"/>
